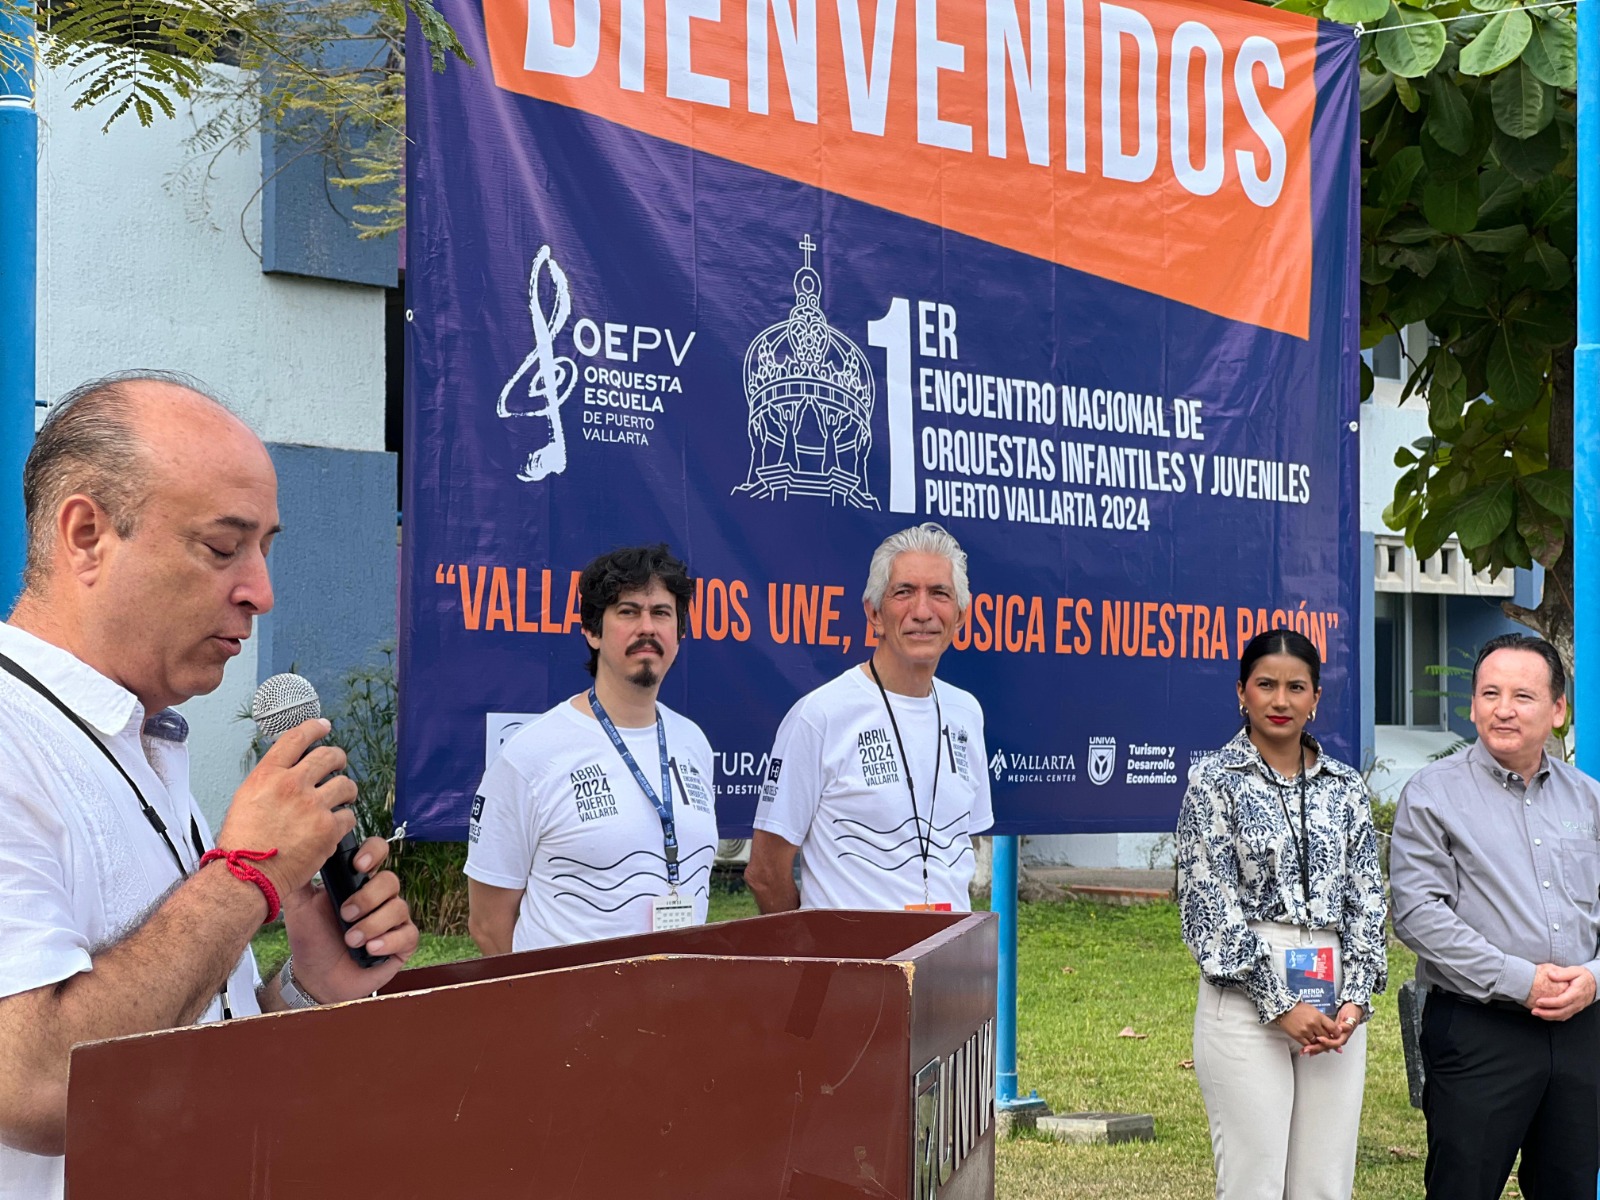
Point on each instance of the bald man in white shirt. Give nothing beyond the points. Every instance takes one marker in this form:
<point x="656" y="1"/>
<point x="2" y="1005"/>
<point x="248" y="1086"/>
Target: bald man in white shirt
<point x="150" y="510"/>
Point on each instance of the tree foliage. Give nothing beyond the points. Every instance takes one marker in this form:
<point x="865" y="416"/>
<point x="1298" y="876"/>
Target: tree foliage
<point x="332" y="84"/>
<point x="135" y="55"/>
<point x="329" y="73"/>
<point x="1469" y="226"/>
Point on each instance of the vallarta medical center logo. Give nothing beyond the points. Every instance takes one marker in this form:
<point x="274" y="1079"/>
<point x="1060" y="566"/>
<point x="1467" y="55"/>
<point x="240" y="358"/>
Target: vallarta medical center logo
<point x="1016" y="767"/>
<point x="1146" y="764"/>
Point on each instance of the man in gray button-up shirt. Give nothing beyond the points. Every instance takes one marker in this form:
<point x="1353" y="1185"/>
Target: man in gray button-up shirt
<point x="1495" y="881"/>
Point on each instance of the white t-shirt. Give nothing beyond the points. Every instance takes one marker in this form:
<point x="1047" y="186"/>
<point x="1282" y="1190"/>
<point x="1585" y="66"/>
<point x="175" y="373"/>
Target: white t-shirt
<point x="80" y="866"/>
<point x="836" y="787"/>
<point x="560" y="815"/>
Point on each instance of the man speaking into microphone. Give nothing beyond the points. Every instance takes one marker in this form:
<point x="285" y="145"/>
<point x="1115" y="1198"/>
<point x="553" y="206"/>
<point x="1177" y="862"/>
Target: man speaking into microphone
<point x="150" y="512"/>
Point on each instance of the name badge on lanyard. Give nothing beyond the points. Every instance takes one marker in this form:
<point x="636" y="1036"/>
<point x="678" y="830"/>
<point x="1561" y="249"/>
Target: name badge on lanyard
<point x="670" y="912"/>
<point x="1308" y="970"/>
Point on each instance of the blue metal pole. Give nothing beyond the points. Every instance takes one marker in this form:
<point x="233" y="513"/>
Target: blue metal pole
<point x="1003" y="888"/>
<point x="1586" y="399"/>
<point x="1003" y="897"/>
<point x="19" y="151"/>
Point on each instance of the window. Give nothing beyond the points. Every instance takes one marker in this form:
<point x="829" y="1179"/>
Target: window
<point x="394" y="361"/>
<point x="1386" y="358"/>
<point x="1408" y="636"/>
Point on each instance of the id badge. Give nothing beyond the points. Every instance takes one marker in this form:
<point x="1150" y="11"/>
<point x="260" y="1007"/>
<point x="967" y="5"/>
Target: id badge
<point x="941" y="906"/>
<point x="1308" y="970"/>
<point x="670" y="912"/>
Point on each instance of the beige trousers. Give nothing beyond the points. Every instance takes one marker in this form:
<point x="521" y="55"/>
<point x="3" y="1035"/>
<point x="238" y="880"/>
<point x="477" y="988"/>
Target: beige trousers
<point x="1283" y="1125"/>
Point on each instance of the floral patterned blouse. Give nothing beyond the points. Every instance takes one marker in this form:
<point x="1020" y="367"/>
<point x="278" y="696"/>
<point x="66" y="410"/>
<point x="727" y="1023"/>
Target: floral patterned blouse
<point x="1239" y="861"/>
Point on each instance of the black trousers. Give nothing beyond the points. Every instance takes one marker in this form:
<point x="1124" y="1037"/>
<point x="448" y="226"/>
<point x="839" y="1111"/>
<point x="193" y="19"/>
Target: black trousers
<point x="1502" y="1080"/>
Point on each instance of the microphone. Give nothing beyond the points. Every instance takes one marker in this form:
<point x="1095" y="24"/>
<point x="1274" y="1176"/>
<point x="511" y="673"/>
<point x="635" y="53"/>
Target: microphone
<point x="281" y="703"/>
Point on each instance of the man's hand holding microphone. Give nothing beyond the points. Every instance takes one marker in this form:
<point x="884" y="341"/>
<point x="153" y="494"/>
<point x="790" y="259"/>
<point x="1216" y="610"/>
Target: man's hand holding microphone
<point x="352" y="937"/>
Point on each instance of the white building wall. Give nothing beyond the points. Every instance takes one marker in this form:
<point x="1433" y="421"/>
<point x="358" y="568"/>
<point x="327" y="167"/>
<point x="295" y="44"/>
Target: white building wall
<point x="1385" y="429"/>
<point x="132" y="275"/>
<point x="129" y="277"/>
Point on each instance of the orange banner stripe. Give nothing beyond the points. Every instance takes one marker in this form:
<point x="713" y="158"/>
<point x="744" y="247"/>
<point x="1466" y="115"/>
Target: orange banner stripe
<point x="1165" y="145"/>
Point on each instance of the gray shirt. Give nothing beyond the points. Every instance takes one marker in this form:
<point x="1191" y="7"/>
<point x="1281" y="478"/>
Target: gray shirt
<point x="1491" y="875"/>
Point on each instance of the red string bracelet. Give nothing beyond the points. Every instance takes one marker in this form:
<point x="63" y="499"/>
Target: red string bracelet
<point x="239" y="863"/>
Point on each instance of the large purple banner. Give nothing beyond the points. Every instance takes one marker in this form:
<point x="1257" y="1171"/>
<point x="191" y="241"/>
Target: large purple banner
<point x="769" y="281"/>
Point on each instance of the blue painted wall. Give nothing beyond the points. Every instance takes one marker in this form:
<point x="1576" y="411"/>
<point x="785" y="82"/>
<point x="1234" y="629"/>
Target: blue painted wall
<point x="334" y="567"/>
<point x="307" y="221"/>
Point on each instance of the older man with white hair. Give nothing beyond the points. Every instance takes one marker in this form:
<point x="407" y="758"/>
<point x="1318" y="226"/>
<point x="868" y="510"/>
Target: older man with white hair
<point x="879" y="777"/>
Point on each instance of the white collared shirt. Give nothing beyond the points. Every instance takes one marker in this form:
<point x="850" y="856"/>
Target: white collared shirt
<point x="80" y="866"/>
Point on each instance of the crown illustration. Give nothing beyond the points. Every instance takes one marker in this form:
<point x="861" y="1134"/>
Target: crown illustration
<point x="810" y="391"/>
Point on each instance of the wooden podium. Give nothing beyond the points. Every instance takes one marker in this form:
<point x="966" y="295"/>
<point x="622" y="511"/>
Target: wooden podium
<point x="804" y="1056"/>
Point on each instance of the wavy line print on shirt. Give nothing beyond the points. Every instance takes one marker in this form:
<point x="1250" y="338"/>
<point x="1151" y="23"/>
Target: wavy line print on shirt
<point x="935" y="842"/>
<point x="916" y="834"/>
<point x="960" y="816"/>
<point x="965" y="850"/>
<point x="655" y="854"/>
<point x="704" y="869"/>
<point x="699" y="891"/>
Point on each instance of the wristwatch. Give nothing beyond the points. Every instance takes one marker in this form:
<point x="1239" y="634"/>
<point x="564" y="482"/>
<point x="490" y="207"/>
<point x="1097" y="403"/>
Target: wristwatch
<point x="293" y="997"/>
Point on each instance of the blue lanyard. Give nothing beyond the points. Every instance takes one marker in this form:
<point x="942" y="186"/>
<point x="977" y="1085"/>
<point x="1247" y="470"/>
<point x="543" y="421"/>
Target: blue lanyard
<point x="662" y="803"/>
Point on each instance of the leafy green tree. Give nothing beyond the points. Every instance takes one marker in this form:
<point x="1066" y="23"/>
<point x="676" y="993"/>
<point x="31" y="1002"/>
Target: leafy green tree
<point x="331" y="72"/>
<point x="1469" y="226"/>
<point x="332" y="83"/>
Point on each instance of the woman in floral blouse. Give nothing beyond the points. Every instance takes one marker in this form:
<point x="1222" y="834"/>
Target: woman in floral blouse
<point x="1282" y="905"/>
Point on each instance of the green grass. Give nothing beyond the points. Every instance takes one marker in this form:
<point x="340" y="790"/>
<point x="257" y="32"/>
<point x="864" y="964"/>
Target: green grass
<point x="272" y="947"/>
<point x="272" y="944"/>
<point x="1086" y="972"/>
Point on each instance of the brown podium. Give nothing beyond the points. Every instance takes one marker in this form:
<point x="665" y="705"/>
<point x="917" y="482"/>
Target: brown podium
<point x="804" y="1056"/>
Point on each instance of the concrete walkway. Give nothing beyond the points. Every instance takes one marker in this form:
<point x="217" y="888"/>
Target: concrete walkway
<point x="1108" y="885"/>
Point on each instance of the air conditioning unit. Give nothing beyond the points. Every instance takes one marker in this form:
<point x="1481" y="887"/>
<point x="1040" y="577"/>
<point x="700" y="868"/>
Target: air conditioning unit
<point x="733" y="852"/>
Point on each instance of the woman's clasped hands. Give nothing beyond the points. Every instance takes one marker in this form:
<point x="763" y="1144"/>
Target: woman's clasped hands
<point x="1317" y="1032"/>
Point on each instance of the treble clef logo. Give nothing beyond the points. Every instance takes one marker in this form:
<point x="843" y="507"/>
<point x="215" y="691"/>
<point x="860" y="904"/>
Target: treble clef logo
<point x="550" y="377"/>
